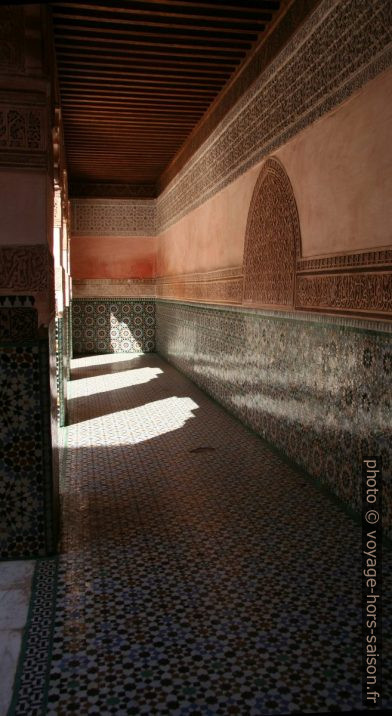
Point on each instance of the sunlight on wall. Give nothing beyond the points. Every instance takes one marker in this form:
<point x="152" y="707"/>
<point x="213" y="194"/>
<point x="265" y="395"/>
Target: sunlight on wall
<point x="126" y="329"/>
<point x="102" y="359"/>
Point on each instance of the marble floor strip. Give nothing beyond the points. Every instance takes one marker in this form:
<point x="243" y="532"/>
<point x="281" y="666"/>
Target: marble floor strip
<point x="15" y="589"/>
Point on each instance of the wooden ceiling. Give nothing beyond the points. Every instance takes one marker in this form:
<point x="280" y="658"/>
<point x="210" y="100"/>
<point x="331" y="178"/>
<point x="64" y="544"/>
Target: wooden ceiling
<point x="136" y="78"/>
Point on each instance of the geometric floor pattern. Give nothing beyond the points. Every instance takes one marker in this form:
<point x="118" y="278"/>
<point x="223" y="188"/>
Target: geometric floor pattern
<point x="199" y="572"/>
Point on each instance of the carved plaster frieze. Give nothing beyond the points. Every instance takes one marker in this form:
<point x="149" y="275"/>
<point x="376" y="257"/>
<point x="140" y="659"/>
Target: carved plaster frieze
<point x="342" y="45"/>
<point x="221" y="286"/>
<point x="113" y="288"/>
<point x="113" y="217"/>
<point x="379" y="258"/>
<point x="23" y="129"/>
<point x="272" y="240"/>
<point x="368" y="293"/>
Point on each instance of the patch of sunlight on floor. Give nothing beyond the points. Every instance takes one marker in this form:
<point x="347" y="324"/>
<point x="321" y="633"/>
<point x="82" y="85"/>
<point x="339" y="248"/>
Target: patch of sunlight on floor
<point x="133" y="425"/>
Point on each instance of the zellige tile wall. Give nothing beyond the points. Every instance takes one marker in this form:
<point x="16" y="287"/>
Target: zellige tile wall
<point x="113" y="325"/>
<point x="319" y="390"/>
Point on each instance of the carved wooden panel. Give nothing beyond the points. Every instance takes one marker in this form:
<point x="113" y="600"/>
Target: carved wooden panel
<point x="272" y="240"/>
<point x="110" y="190"/>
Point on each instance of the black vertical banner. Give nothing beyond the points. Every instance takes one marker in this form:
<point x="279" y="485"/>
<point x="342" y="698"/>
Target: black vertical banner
<point x="371" y="582"/>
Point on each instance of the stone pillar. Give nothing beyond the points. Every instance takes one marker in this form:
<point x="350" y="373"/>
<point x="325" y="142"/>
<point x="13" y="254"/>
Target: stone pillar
<point x="28" y="414"/>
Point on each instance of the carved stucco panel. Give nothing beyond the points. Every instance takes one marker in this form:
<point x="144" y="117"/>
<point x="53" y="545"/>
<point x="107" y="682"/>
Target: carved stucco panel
<point x="26" y="268"/>
<point x="272" y="241"/>
<point x="358" y="292"/>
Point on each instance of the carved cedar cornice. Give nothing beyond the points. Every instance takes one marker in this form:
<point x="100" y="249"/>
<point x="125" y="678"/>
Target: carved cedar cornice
<point x="112" y="191"/>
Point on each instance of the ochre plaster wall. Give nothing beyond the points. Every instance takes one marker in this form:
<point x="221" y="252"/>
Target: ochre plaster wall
<point x="113" y="257"/>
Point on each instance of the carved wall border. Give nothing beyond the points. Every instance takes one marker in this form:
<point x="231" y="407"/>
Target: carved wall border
<point x="113" y="217"/>
<point x="116" y="288"/>
<point x="26" y="268"/>
<point x="352" y="293"/>
<point x="360" y="292"/>
<point x="380" y="258"/>
<point x="23" y="129"/>
<point x="333" y="43"/>
<point x="221" y="286"/>
<point x="290" y="94"/>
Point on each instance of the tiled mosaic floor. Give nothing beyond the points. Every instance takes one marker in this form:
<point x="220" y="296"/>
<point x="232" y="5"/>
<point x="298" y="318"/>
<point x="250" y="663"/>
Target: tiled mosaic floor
<point x="199" y="573"/>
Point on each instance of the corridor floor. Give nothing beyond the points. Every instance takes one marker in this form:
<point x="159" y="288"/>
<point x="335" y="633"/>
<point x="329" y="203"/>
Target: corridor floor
<point x="199" y="573"/>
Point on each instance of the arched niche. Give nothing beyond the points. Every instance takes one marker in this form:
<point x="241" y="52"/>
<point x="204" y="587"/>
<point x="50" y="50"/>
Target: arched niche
<point x="272" y="240"/>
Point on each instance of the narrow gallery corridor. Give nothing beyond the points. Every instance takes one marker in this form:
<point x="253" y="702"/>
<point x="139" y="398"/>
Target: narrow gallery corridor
<point x="198" y="572"/>
<point x="195" y="357"/>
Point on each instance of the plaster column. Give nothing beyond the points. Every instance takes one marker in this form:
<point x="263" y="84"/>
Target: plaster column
<point x="28" y="427"/>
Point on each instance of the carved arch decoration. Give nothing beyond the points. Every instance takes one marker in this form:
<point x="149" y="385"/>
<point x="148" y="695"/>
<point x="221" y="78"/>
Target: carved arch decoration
<point x="272" y="240"/>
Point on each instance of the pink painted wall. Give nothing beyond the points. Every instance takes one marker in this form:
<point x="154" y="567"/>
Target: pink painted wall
<point x="113" y="257"/>
<point x="341" y="172"/>
<point x="340" y="169"/>
<point x="23" y="207"/>
<point x="210" y="237"/>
